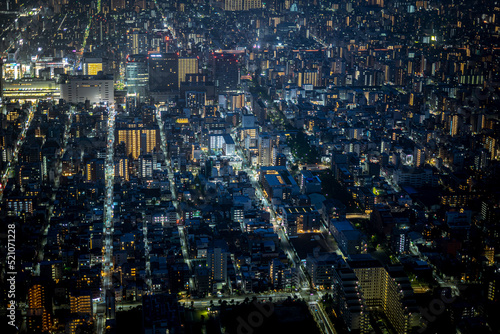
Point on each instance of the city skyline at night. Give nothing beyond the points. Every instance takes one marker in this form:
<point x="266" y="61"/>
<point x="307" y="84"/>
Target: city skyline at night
<point x="248" y="166"/>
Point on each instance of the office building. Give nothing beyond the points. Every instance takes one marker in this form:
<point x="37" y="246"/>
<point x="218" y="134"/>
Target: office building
<point x="92" y="65"/>
<point x="247" y="120"/>
<point x="163" y="72"/>
<point x="96" y="89"/>
<point x="349" y="239"/>
<point x="226" y="71"/>
<point x="137" y="43"/>
<point x="136" y="74"/>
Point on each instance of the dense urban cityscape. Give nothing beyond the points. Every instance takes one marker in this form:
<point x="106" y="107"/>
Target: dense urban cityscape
<point x="250" y="166"/>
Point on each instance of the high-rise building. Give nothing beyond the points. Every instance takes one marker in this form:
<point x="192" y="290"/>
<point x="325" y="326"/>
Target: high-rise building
<point x="226" y="71"/>
<point x="56" y="4"/>
<point x="187" y="65"/>
<point x="1" y="80"/>
<point x="280" y="276"/>
<point x="81" y="303"/>
<point x="94" y="171"/>
<point x="96" y="89"/>
<point x="146" y="166"/>
<point x="117" y="5"/>
<point x="321" y="268"/>
<point x="73" y="326"/>
<point x="280" y="160"/>
<point x="38" y="316"/>
<point x="196" y="100"/>
<point x="217" y="263"/>
<point x="139" y="140"/>
<point x="348" y="300"/>
<point x="247" y="120"/>
<point x="92" y="65"/>
<point x="418" y="156"/>
<point x="236" y="101"/>
<point x="265" y="150"/>
<point x="163" y="72"/>
<point x="121" y="168"/>
<point x="136" y="73"/>
<point x="481" y="159"/>
<point x="137" y="43"/>
<point x="237" y="5"/>
<point x="454" y="125"/>
<point x="21" y="205"/>
<point x="308" y="77"/>
<point x="400" y="241"/>
<point x="480" y="123"/>
<point x="387" y="290"/>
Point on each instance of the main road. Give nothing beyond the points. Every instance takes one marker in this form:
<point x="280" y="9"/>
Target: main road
<point x="173" y="190"/>
<point x="57" y="181"/>
<point x="15" y="155"/>
<point x="285" y="244"/>
<point x="108" y="228"/>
